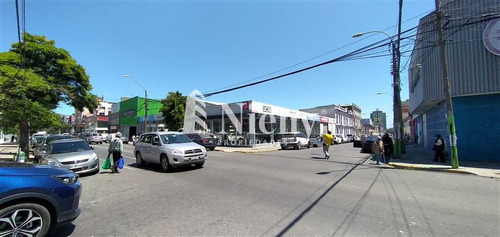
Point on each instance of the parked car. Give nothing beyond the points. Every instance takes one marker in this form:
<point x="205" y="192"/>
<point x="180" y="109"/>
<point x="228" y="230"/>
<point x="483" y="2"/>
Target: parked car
<point x="35" y="198"/>
<point x="125" y="140"/>
<point x="296" y="140"/>
<point x="37" y="138"/>
<point x="349" y="137"/>
<point x="337" y="139"/>
<point x="368" y="143"/>
<point x="357" y="142"/>
<point x="95" y="138"/>
<point x="109" y="137"/>
<point x="206" y="140"/>
<point x="169" y="149"/>
<point x="41" y="150"/>
<point x="316" y="140"/>
<point x="73" y="154"/>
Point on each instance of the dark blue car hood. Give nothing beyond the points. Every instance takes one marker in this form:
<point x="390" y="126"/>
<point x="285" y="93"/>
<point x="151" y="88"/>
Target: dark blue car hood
<point x="29" y="169"/>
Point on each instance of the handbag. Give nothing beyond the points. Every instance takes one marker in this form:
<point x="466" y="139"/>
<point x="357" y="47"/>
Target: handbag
<point x="107" y="164"/>
<point x="120" y="163"/>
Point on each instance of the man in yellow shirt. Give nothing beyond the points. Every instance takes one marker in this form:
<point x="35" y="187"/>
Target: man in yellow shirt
<point x="327" y="141"/>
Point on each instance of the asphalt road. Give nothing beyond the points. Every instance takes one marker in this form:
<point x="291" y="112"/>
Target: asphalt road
<point x="291" y="192"/>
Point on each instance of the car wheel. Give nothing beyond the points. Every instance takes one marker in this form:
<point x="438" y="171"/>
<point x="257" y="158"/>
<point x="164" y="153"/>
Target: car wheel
<point x="308" y="145"/>
<point x="165" y="165"/>
<point x="28" y="219"/>
<point x="138" y="159"/>
<point x="212" y="148"/>
<point x="283" y="147"/>
<point x="199" y="165"/>
<point x="299" y="146"/>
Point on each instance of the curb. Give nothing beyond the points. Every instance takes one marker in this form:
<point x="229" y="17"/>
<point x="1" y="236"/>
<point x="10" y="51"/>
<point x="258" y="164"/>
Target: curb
<point x="427" y="168"/>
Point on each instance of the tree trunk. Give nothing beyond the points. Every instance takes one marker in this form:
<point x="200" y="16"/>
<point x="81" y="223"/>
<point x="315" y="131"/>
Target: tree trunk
<point x="24" y="137"/>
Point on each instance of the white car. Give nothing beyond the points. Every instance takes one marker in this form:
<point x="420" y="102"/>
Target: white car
<point x="296" y="140"/>
<point x="169" y="149"/>
<point x="339" y="139"/>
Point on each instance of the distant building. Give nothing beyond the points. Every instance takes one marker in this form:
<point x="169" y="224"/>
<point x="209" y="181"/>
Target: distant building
<point x="379" y="120"/>
<point x="356" y="111"/>
<point x="95" y="122"/>
<point x="343" y="117"/>
<point x="473" y="57"/>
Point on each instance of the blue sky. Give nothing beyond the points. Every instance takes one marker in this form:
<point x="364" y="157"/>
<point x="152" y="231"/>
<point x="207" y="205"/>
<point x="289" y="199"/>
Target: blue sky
<point x="209" y="45"/>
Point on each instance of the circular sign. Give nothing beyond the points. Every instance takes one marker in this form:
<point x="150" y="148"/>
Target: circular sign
<point x="324" y="111"/>
<point x="491" y="37"/>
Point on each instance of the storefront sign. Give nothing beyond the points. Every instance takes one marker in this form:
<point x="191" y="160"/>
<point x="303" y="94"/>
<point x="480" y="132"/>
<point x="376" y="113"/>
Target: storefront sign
<point x="102" y="118"/>
<point x="491" y="37"/>
<point x="323" y="119"/>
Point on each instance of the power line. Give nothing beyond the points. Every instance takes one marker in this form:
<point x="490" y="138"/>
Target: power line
<point x="310" y="59"/>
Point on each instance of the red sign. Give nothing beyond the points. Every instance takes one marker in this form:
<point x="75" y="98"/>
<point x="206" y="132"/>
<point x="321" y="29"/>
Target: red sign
<point x="245" y="105"/>
<point x="323" y="119"/>
<point x="102" y="118"/>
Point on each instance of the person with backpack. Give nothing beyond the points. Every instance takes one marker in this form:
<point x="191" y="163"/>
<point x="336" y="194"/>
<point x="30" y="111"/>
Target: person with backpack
<point x="439" y="147"/>
<point x="116" y="149"/>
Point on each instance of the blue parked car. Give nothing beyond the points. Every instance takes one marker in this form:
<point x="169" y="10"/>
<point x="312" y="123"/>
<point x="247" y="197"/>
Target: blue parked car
<point x="34" y="198"/>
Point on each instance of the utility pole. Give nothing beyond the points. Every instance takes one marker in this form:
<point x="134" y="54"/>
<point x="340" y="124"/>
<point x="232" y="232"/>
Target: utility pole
<point x="400" y="146"/>
<point x="446" y="89"/>
<point x="146" y="129"/>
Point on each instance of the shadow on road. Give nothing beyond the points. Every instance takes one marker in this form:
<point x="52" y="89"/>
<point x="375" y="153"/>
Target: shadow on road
<point x="64" y="230"/>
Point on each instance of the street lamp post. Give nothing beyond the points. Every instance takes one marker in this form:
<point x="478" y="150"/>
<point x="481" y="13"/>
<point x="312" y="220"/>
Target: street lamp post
<point x="145" y="102"/>
<point x="398" y="116"/>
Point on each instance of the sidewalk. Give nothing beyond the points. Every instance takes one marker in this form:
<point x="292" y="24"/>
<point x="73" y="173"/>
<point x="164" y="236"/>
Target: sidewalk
<point x="418" y="158"/>
<point x="7" y="151"/>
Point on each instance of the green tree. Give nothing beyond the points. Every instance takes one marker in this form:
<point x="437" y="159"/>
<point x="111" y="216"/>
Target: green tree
<point x="35" y="76"/>
<point x="172" y="109"/>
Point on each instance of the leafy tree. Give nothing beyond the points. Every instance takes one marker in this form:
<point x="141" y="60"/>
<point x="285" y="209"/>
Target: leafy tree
<point x="35" y="76"/>
<point x="173" y="110"/>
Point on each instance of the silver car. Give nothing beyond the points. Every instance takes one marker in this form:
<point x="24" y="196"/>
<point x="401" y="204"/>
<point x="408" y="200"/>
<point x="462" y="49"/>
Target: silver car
<point x="73" y="154"/>
<point x="169" y="149"/>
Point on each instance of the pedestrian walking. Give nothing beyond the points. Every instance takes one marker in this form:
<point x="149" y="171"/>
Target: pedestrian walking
<point x="439" y="148"/>
<point x="416" y="140"/>
<point x="327" y="141"/>
<point x="116" y="149"/>
<point x="378" y="149"/>
<point x="388" y="147"/>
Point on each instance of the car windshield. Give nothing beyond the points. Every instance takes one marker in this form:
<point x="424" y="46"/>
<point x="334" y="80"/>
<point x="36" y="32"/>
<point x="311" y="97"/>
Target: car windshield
<point x="66" y="147"/>
<point x="52" y="138"/>
<point x="371" y="138"/>
<point x="174" y="138"/>
<point x="203" y="135"/>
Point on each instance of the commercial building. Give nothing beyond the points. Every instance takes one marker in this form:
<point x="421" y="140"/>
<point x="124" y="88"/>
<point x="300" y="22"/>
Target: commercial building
<point x="251" y="123"/>
<point x="131" y="116"/>
<point x="343" y="118"/>
<point x="471" y="31"/>
<point x="356" y="112"/>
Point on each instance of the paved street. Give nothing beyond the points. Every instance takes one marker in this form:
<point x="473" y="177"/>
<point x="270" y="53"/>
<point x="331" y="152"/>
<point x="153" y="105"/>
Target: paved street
<point x="294" y="193"/>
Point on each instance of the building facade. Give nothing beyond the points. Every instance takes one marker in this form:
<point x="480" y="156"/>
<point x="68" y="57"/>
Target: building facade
<point x="252" y="123"/>
<point x="471" y="31"/>
<point x="379" y="120"/>
<point x="343" y="118"/>
<point x="131" y="116"/>
<point x="356" y="111"/>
